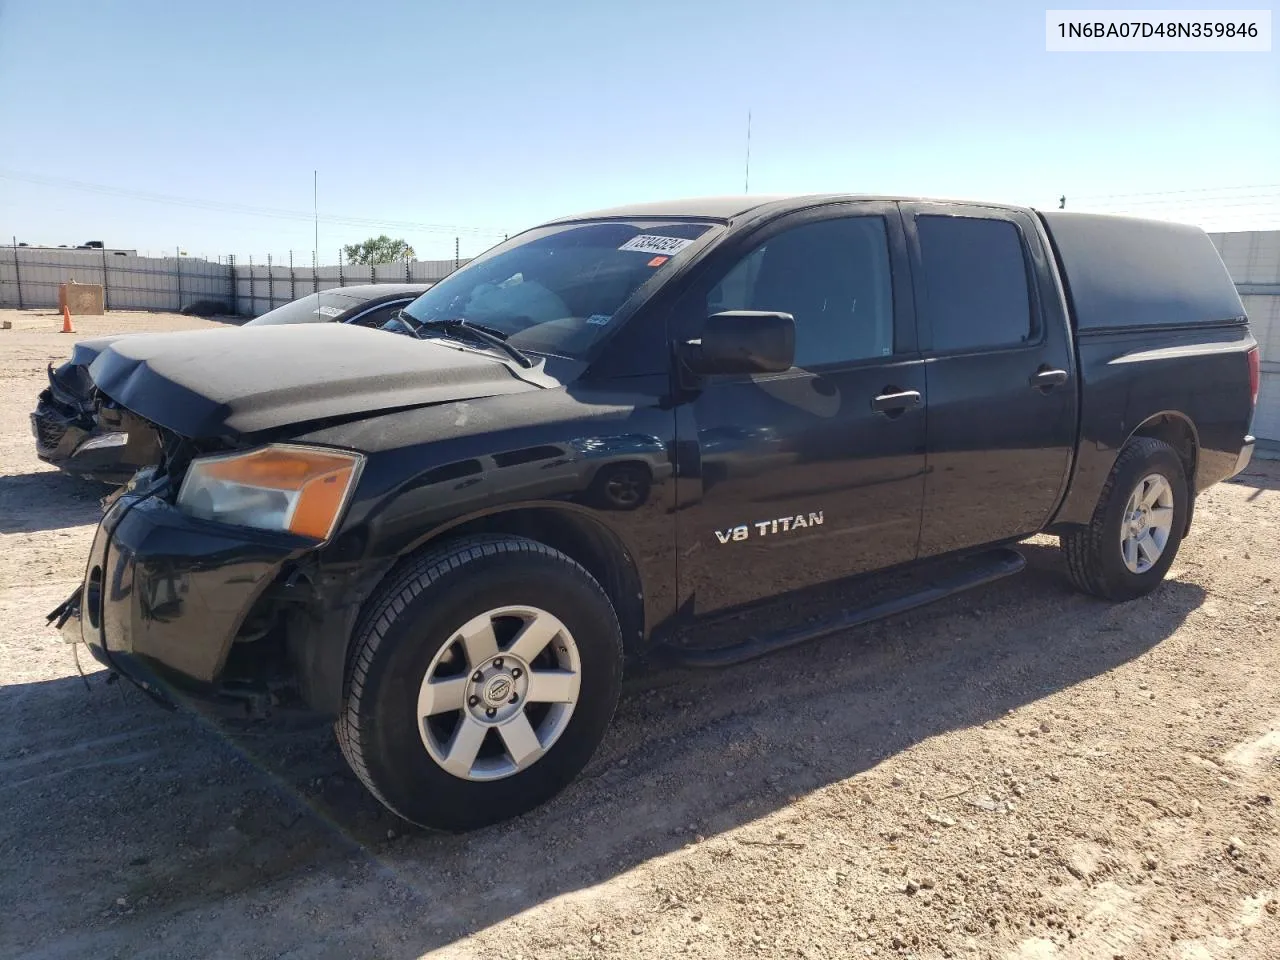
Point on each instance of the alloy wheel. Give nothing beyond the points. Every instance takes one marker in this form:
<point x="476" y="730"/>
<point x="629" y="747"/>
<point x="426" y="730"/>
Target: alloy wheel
<point x="500" y="693"/>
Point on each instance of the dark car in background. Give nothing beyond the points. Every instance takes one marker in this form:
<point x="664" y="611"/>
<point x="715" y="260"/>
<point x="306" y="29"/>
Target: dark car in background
<point x="367" y="305"/>
<point x="83" y="433"/>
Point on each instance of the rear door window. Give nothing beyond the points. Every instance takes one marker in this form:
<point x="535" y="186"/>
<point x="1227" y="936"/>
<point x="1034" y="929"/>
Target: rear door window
<point x="975" y="279"/>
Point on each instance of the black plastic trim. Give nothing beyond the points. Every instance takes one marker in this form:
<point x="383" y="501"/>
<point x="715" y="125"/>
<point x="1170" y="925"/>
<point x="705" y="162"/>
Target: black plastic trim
<point x="981" y="569"/>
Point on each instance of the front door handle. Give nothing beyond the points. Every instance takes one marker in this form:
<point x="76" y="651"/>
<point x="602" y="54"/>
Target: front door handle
<point x="1046" y="379"/>
<point x="893" y="402"/>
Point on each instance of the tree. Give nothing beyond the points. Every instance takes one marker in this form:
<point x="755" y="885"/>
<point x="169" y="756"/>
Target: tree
<point x="381" y="249"/>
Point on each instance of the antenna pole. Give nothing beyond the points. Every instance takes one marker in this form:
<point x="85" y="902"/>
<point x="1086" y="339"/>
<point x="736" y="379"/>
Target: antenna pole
<point x="746" y="182"/>
<point x="315" y="206"/>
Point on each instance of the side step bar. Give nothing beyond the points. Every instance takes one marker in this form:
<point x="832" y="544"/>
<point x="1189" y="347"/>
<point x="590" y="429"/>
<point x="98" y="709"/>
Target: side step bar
<point x="979" y="569"/>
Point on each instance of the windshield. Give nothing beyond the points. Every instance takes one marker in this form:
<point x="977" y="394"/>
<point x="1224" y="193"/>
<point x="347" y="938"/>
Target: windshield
<point x="557" y="289"/>
<point x="315" y="308"/>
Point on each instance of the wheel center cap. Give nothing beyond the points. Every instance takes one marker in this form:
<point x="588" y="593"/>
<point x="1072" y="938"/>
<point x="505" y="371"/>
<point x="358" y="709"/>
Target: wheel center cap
<point x="498" y="690"/>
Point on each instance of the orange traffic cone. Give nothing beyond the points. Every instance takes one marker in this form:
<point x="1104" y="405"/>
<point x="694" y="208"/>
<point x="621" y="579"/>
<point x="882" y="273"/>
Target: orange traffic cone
<point x="66" y="320"/>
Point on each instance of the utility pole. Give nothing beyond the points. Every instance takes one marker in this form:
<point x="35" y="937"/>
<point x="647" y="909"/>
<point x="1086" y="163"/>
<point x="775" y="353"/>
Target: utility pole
<point x="315" y="209"/>
<point x="17" y="271"/>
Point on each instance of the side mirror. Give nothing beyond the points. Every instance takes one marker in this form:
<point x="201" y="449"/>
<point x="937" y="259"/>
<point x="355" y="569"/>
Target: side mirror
<point x="743" y="341"/>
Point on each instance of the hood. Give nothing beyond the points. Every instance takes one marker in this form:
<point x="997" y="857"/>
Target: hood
<point x="86" y="351"/>
<point x="206" y="383"/>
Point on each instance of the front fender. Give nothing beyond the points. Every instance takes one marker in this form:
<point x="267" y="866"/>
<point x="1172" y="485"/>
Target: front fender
<point x="526" y="466"/>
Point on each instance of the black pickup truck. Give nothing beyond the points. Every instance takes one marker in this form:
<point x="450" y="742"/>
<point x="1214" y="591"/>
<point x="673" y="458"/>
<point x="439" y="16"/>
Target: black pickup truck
<point x="611" y="435"/>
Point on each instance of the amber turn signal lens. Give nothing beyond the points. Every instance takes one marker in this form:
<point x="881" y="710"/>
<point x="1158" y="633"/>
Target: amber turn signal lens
<point x="317" y="479"/>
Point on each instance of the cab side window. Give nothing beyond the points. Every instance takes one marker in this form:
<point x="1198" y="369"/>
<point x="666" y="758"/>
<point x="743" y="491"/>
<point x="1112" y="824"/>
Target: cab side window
<point x="975" y="279"/>
<point x="833" y="276"/>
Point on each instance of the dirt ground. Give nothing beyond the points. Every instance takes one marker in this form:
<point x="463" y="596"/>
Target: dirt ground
<point x="1020" y="772"/>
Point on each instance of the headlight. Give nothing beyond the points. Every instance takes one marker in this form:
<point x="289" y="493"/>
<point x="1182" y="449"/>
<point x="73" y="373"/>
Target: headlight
<point x="292" y="489"/>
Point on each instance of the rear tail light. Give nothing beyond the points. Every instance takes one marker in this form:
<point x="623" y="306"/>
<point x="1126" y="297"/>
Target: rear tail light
<point x="1255" y="374"/>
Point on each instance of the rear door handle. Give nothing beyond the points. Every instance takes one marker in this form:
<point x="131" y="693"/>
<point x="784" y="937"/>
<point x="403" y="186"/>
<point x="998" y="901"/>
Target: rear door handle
<point x="1046" y="379"/>
<point x="893" y="403"/>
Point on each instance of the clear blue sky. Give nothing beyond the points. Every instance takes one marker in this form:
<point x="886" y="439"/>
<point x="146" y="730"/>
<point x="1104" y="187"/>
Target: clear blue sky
<point x="497" y="115"/>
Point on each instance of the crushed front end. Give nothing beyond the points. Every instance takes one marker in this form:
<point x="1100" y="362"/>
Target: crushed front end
<point x="193" y="609"/>
<point x="81" y="432"/>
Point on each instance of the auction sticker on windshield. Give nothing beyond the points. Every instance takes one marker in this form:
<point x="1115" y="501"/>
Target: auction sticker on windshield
<point x="650" y="243"/>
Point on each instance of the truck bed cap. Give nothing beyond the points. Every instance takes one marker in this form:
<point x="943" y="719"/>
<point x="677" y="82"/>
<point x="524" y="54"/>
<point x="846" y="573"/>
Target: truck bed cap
<point x="1126" y="272"/>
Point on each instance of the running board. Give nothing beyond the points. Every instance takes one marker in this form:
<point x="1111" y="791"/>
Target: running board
<point x="977" y="570"/>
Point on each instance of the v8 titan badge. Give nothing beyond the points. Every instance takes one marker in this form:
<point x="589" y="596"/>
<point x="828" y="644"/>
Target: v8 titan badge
<point x="765" y="528"/>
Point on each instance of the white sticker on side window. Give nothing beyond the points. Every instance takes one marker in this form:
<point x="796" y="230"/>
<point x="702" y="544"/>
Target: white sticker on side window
<point x="650" y="243"/>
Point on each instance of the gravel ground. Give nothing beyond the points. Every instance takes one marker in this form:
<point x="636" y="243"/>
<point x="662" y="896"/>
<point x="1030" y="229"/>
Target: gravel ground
<point x="1020" y="772"/>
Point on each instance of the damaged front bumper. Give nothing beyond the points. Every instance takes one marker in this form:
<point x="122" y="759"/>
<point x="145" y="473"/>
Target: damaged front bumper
<point x="98" y="446"/>
<point x="165" y="596"/>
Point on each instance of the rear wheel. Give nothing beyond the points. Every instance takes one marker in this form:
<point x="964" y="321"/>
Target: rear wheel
<point x="1136" y="529"/>
<point x="481" y="681"/>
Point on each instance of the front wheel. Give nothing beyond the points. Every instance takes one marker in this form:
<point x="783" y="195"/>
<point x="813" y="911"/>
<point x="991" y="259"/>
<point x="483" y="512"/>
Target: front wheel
<point x="481" y="681"/>
<point x="1136" y="529"/>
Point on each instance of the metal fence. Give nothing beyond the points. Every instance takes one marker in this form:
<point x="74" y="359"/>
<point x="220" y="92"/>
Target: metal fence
<point x="30" y="276"/>
<point x="1252" y="258"/>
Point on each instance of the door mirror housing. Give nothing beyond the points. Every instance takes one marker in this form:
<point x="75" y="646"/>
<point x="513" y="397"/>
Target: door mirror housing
<point x="743" y="342"/>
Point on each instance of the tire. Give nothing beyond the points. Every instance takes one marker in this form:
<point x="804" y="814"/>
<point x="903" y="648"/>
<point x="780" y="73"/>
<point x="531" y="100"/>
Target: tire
<point x="414" y="626"/>
<point x="1096" y="558"/>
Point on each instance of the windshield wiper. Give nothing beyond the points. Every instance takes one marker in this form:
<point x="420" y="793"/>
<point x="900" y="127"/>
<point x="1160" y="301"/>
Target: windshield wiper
<point x="495" y="338"/>
<point x="402" y="318"/>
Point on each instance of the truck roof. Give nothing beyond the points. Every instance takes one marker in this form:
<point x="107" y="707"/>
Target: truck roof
<point x="1120" y="271"/>
<point x="726" y="208"/>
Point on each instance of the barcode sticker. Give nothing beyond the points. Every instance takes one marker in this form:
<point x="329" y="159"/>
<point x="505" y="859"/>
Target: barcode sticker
<point x="651" y="243"/>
